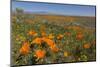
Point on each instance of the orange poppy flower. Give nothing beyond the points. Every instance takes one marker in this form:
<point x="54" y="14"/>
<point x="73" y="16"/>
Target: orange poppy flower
<point x="40" y="53"/>
<point x="43" y="34"/>
<point x="60" y="36"/>
<point x="68" y="33"/>
<point x="32" y="33"/>
<point x="25" y="48"/>
<point x="86" y="45"/>
<point x="51" y="44"/>
<point x="37" y="41"/>
<point x="48" y="41"/>
<point x="79" y="36"/>
<point x="54" y="48"/>
<point x="44" y="38"/>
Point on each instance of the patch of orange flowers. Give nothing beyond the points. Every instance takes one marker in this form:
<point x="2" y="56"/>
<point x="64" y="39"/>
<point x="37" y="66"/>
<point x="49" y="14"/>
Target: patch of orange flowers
<point x="68" y="33"/>
<point x="75" y="28"/>
<point x="37" y="41"/>
<point x="60" y="36"/>
<point x="25" y="48"/>
<point x="51" y="44"/>
<point x="28" y="21"/>
<point x="40" y="53"/>
<point x="54" y="48"/>
<point x="79" y="36"/>
<point x="48" y="41"/>
<point x="32" y="33"/>
<point x="87" y="45"/>
<point x="43" y="34"/>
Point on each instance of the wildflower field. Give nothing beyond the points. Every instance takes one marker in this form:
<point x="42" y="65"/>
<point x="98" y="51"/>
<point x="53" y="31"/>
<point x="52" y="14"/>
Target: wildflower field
<point x="47" y="39"/>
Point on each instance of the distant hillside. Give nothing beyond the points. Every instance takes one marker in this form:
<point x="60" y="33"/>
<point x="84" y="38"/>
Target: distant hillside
<point x="62" y="20"/>
<point x="65" y="20"/>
